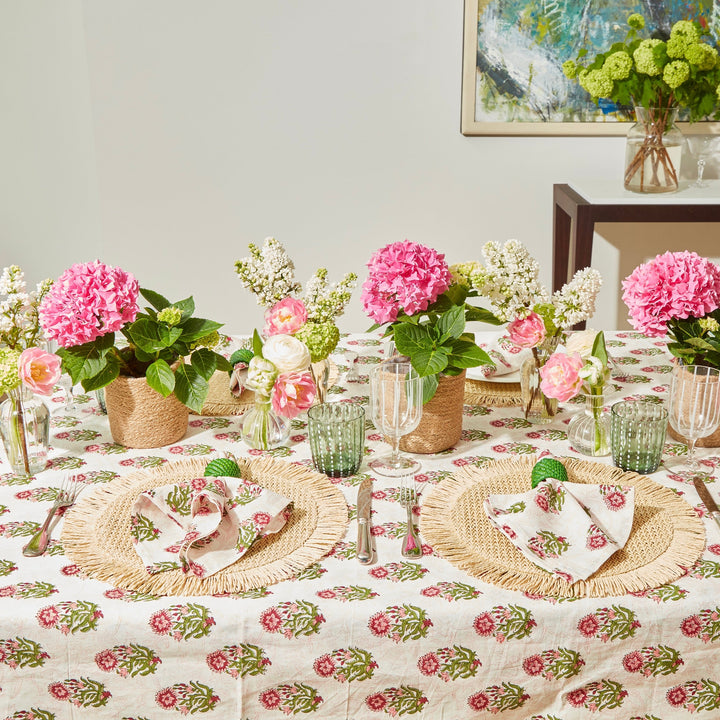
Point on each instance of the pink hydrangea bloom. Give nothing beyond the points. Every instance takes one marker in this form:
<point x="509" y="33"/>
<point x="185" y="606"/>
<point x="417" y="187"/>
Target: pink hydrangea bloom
<point x="559" y="376"/>
<point x="87" y="301"/>
<point x="39" y="370"/>
<point x="675" y="285"/>
<point x="285" y="317"/>
<point x="403" y="276"/>
<point x="293" y="393"/>
<point x="527" y="332"/>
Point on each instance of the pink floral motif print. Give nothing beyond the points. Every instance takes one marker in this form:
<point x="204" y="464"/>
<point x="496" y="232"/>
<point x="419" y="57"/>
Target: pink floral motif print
<point x="677" y="696"/>
<point x="270" y="699"/>
<point x="324" y="666"/>
<point x="533" y="665"/>
<point x="484" y="625"/>
<point x="379" y="624"/>
<point x="48" y="616"/>
<point x="589" y="625"/>
<point x="429" y="664"/>
<point x="160" y="622"/>
<point x="376" y="702"/>
<point x="633" y="661"/>
<point x="166" y="699"/>
<point x="59" y="691"/>
<point x="479" y="701"/>
<point x="614" y="496"/>
<point x="106" y="660"/>
<point x="270" y="620"/>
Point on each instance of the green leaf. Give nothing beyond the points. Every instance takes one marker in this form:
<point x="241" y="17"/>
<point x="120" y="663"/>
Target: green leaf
<point x="599" y="350"/>
<point x="452" y="323"/>
<point x="144" y="333"/>
<point x="105" y="376"/>
<point x="87" y="360"/>
<point x="205" y="362"/>
<point x="196" y="328"/>
<point x="430" y="384"/>
<point x="190" y="388"/>
<point x="476" y="314"/>
<point x="412" y="339"/>
<point x="187" y="307"/>
<point x="465" y="354"/>
<point x="160" y="377"/>
<point x="223" y="363"/>
<point x="155" y="299"/>
<point x="257" y="344"/>
<point x="168" y="335"/>
<point x="430" y="362"/>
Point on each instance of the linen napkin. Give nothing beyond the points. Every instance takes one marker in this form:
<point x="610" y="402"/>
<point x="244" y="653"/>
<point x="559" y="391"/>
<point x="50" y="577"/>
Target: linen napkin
<point x="569" y="529"/>
<point x="203" y="525"/>
<point x="507" y="356"/>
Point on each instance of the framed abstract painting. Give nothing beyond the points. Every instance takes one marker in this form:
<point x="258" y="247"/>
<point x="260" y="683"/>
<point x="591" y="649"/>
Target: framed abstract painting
<point x="513" y="51"/>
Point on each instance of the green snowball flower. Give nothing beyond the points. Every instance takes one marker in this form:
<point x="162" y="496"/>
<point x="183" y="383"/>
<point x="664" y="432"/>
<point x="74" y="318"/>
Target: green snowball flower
<point x="618" y="65"/>
<point x="598" y="83"/>
<point x="644" y="57"/>
<point x="9" y="363"/>
<point x="709" y="324"/>
<point x="676" y="73"/>
<point x="570" y="69"/>
<point x="636" y="21"/>
<point x="685" y="29"/>
<point x="703" y="56"/>
<point x="676" y="47"/>
<point x="320" y="338"/>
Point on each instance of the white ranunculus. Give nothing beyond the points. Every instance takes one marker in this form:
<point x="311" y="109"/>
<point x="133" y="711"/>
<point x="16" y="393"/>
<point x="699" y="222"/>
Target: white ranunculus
<point x="581" y="342"/>
<point x="287" y="353"/>
<point x="593" y="371"/>
<point x="261" y="374"/>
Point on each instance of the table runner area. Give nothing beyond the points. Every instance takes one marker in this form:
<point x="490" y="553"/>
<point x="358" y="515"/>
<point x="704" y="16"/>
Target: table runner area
<point x="398" y="638"/>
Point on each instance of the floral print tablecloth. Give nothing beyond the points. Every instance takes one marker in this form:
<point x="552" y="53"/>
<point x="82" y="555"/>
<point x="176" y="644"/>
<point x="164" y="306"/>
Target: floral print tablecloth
<point x="396" y="638"/>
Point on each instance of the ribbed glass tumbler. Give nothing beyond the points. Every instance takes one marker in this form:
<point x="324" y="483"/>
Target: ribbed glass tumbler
<point x="337" y="438"/>
<point x="638" y="435"/>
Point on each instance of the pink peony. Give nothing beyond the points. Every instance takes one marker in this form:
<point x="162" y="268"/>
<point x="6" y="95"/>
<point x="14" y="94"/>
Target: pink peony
<point x="87" y="301"/>
<point x="559" y="376"/>
<point x="285" y="317"/>
<point x="675" y="285"/>
<point x="39" y="370"/>
<point x="527" y="332"/>
<point x="292" y="393"/>
<point x="404" y="276"/>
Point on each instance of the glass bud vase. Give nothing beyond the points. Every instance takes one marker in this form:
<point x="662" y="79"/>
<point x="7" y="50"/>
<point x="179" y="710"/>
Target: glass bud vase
<point x="262" y="427"/>
<point x="653" y="151"/>
<point x="589" y="430"/>
<point x="25" y="430"/>
<point x="538" y="408"/>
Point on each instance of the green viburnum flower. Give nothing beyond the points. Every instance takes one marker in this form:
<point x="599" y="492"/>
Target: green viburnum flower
<point x="570" y="69"/>
<point x="462" y="273"/>
<point x="9" y="377"/>
<point x="676" y="47"/>
<point x="321" y="338"/>
<point x="709" y="324"/>
<point x="636" y="21"/>
<point x="170" y="315"/>
<point x="705" y="57"/>
<point x="676" y="73"/>
<point x="685" y="29"/>
<point x="598" y="83"/>
<point x="618" y="65"/>
<point x="644" y="57"/>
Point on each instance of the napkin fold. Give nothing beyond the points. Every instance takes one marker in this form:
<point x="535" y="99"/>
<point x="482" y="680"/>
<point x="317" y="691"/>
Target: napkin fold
<point x="203" y="525"/>
<point x="507" y="356"/>
<point x="569" y="529"/>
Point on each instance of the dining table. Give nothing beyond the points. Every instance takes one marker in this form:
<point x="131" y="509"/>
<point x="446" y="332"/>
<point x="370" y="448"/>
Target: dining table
<point x="426" y="636"/>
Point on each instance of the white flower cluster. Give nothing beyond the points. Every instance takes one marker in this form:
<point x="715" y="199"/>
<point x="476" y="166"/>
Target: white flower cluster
<point x="19" y="321"/>
<point x="269" y="272"/>
<point x="509" y="279"/>
<point x="575" y="302"/>
<point x="325" y="302"/>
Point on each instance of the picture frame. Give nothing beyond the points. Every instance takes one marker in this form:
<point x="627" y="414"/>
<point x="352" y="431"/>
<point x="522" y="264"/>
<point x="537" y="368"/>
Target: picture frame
<point x="501" y="62"/>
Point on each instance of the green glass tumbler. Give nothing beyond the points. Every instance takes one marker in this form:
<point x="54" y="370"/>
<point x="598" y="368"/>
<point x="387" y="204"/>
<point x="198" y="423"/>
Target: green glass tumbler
<point x="337" y="438"/>
<point x="638" y="435"/>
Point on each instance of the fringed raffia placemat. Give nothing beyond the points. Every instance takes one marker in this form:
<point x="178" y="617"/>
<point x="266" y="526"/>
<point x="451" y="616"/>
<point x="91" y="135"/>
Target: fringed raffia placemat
<point x="495" y="394"/>
<point x="667" y="536"/>
<point x="96" y="534"/>
<point x="220" y="401"/>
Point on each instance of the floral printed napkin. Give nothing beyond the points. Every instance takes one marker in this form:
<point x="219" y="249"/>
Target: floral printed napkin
<point x="507" y="356"/>
<point x="568" y="529"/>
<point x="205" y="524"/>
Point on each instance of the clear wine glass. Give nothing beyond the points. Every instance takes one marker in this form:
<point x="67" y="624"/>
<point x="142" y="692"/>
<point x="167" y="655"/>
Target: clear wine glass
<point x="396" y="402"/>
<point x="702" y="147"/>
<point x="694" y="411"/>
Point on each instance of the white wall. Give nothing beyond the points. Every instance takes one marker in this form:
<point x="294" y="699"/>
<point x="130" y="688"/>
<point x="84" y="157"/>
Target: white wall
<point x="165" y="136"/>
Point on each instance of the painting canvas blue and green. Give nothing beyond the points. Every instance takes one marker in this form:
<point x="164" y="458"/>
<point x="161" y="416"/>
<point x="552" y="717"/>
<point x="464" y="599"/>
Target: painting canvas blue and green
<point x="520" y="46"/>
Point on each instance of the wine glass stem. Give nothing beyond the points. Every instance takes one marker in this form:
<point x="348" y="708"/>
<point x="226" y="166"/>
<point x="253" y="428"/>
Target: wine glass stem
<point x="700" y="170"/>
<point x="691" y="458"/>
<point x="395" y="452"/>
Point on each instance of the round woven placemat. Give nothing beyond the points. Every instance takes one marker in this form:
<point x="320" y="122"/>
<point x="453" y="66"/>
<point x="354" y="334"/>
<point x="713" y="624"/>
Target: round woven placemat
<point x="96" y="534"/>
<point x="481" y="392"/>
<point x="220" y="401"/>
<point x="667" y="536"/>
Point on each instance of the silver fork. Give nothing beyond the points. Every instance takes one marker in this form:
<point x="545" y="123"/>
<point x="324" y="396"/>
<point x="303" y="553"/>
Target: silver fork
<point x="67" y="494"/>
<point x="408" y="499"/>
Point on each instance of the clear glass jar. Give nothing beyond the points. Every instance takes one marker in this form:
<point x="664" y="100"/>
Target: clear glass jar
<point x="25" y="430"/>
<point x="262" y="427"/>
<point x="538" y="408"/>
<point x="589" y="430"/>
<point x="653" y="151"/>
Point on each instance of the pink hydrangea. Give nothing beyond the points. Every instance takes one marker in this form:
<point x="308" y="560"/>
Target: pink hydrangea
<point x="675" y="285"/>
<point x="293" y="393"/>
<point x="403" y="276"/>
<point x="39" y="370"/>
<point x="285" y="317"/>
<point x="559" y="377"/>
<point x="527" y="332"/>
<point x="87" y="301"/>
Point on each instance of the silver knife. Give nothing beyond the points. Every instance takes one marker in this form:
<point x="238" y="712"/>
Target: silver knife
<point x="364" y="498"/>
<point x="709" y="503"/>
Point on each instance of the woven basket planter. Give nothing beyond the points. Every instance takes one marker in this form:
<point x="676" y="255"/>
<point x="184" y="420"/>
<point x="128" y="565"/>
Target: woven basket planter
<point x="141" y="417"/>
<point x="441" y="424"/>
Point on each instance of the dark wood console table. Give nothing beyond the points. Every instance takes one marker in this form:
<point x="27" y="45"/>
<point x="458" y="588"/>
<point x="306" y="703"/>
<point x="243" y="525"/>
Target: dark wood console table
<point x="577" y="207"/>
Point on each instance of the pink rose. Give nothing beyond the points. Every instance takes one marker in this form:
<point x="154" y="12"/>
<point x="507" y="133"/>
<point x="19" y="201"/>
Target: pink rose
<point x="39" y="370"/>
<point x="527" y="332"/>
<point x="285" y="317"/>
<point x="292" y="393"/>
<point x="560" y="376"/>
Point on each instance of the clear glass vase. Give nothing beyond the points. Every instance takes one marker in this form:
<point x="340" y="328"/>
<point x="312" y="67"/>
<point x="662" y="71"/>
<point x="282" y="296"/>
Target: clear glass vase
<point x="589" y="430"/>
<point x="25" y="430"/>
<point x="538" y="408"/>
<point x="262" y="427"/>
<point x="653" y="151"/>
